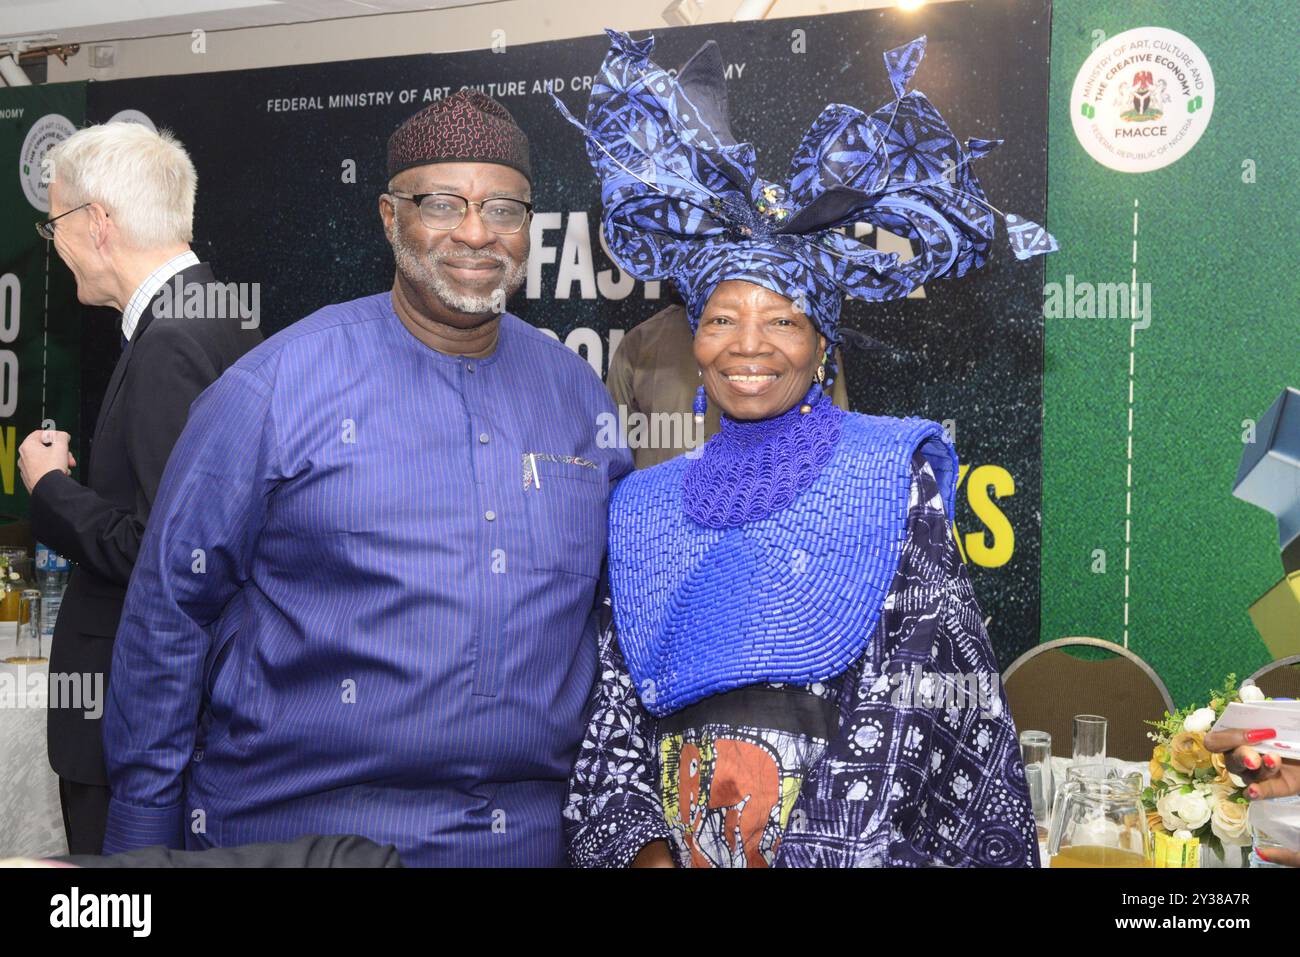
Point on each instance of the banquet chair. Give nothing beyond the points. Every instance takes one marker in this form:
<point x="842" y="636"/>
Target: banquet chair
<point x="1279" y="679"/>
<point x="1047" y="686"/>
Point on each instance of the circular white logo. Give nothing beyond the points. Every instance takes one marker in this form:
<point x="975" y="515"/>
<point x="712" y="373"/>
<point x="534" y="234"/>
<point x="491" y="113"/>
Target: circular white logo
<point x="49" y="130"/>
<point x="1142" y="99"/>
<point x="133" y="116"/>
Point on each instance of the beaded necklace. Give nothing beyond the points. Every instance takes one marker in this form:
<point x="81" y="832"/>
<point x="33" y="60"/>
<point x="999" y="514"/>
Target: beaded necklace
<point x="751" y="469"/>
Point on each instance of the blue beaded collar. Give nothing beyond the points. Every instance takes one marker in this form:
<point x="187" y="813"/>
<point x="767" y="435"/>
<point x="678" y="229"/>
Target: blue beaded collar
<point x="793" y="595"/>
<point x="752" y="469"/>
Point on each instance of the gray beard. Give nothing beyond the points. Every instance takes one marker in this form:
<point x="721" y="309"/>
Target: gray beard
<point x="421" y="271"/>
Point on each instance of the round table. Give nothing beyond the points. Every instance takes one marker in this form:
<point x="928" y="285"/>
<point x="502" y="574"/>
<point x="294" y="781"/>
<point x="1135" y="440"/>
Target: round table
<point x="31" y="819"/>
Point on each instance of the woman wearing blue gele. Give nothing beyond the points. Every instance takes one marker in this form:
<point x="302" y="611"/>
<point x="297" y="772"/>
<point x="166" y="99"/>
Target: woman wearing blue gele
<point x="796" y="672"/>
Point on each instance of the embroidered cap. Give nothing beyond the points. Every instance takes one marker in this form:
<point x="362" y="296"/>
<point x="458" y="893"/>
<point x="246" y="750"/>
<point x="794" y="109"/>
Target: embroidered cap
<point x="467" y="127"/>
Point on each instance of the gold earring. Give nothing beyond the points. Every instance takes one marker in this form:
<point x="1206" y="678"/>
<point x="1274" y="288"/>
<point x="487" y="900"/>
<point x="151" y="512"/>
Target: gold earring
<point x="821" y="378"/>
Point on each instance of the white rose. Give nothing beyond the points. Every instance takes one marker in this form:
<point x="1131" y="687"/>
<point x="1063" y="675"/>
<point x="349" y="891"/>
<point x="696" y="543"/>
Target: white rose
<point x="1183" y="834"/>
<point x="1168" y="815"/>
<point x="1228" y="822"/>
<point x="1251" y="692"/>
<point x="1192" y="809"/>
<point x="1222" y="792"/>
<point x="1199" y="721"/>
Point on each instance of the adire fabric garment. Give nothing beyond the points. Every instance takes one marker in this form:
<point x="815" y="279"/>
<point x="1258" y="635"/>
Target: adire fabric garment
<point x="682" y="197"/>
<point x="921" y="766"/>
<point x="382" y="629"/>
<point x="792" y="595"/>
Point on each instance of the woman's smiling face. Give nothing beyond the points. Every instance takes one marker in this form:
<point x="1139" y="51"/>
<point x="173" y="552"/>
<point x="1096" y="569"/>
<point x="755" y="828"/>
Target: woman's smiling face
<point x="756" y="351"/>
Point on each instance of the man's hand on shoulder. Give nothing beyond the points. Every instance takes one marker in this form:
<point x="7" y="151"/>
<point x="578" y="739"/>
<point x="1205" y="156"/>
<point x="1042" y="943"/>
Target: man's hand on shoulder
<point x="42" y="452"/>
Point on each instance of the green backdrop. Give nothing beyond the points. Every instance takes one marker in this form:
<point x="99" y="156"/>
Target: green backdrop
<point x="40" y="352"/>
<point x="1219" y="253"/>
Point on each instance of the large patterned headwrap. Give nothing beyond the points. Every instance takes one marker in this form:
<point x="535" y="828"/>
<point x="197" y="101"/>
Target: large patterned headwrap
<point x="682" y="199"/>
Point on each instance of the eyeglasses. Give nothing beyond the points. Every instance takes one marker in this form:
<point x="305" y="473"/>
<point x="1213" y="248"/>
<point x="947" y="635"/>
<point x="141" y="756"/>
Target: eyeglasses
<point x="447" y="211"/>
<point x="46" y="229"/>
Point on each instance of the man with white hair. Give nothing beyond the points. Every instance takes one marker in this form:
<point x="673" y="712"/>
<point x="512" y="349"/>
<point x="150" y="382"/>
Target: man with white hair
<point x="122" y="212"/>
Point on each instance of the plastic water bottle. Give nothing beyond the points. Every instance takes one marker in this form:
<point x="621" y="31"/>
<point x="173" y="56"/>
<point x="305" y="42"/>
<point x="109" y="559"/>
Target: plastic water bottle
<point x="51" y="579"/>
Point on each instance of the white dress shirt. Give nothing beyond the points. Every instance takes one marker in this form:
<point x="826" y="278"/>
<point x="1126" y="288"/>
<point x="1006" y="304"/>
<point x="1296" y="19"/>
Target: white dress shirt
<point x="152" y="283"/>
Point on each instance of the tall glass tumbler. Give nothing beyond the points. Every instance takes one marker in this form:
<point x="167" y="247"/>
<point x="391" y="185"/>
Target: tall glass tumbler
<point x="1036" y="751"/>
<point x="1089" y="739"/>
<point x="27" y="649"/>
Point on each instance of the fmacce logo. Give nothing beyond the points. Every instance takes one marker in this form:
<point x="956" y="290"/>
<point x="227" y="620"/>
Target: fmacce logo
<point x="1142" y="99"/>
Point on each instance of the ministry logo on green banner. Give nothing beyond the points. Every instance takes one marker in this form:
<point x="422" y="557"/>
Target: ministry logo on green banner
<point x="1142" y="99"/>
<point x="45" y="134"/>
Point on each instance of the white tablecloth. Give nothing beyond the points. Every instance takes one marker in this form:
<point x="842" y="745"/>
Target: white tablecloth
<point x="31" y="820"/>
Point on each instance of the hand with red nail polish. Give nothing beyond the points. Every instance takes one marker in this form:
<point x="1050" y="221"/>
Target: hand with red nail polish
<point x="1267" y="775"/>
<point x="1279" y="855"/>
<point x="1251" y="766"/>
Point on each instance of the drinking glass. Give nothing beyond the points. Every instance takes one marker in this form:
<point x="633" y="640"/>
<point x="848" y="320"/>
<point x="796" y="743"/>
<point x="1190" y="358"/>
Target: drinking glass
<point x="27" y="649"/>
<point x="1089" y="739"/>
<point x="1036" y="751"/>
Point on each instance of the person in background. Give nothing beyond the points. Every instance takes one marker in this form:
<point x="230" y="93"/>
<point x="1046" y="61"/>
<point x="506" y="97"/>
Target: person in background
<point x="654" y="371"/>
<point x="400" y="506"/>
<point x="122" y="219"/>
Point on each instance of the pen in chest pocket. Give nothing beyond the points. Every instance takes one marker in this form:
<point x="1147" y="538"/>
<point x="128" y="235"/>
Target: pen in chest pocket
<point x="533" y="475"/>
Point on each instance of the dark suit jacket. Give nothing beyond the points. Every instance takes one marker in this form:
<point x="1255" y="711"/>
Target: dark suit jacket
<point x="99" y="525"/>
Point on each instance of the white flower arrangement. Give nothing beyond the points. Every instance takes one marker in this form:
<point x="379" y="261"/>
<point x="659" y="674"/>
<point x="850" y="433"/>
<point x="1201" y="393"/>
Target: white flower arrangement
<point x="1192" y="793"/>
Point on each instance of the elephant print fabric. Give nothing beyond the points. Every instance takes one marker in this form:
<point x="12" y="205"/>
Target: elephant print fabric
<point x="727" y="788"/>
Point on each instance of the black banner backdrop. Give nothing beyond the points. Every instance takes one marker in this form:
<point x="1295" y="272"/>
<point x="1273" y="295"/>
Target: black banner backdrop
<point x="291" y="162"/>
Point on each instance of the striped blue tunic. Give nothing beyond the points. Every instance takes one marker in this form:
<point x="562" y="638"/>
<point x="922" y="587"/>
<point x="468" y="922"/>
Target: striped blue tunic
<point x="370" y="573"/>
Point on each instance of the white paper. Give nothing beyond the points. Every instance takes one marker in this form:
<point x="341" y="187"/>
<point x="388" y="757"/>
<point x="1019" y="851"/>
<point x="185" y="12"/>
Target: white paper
<point x="1282" y="716"/>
